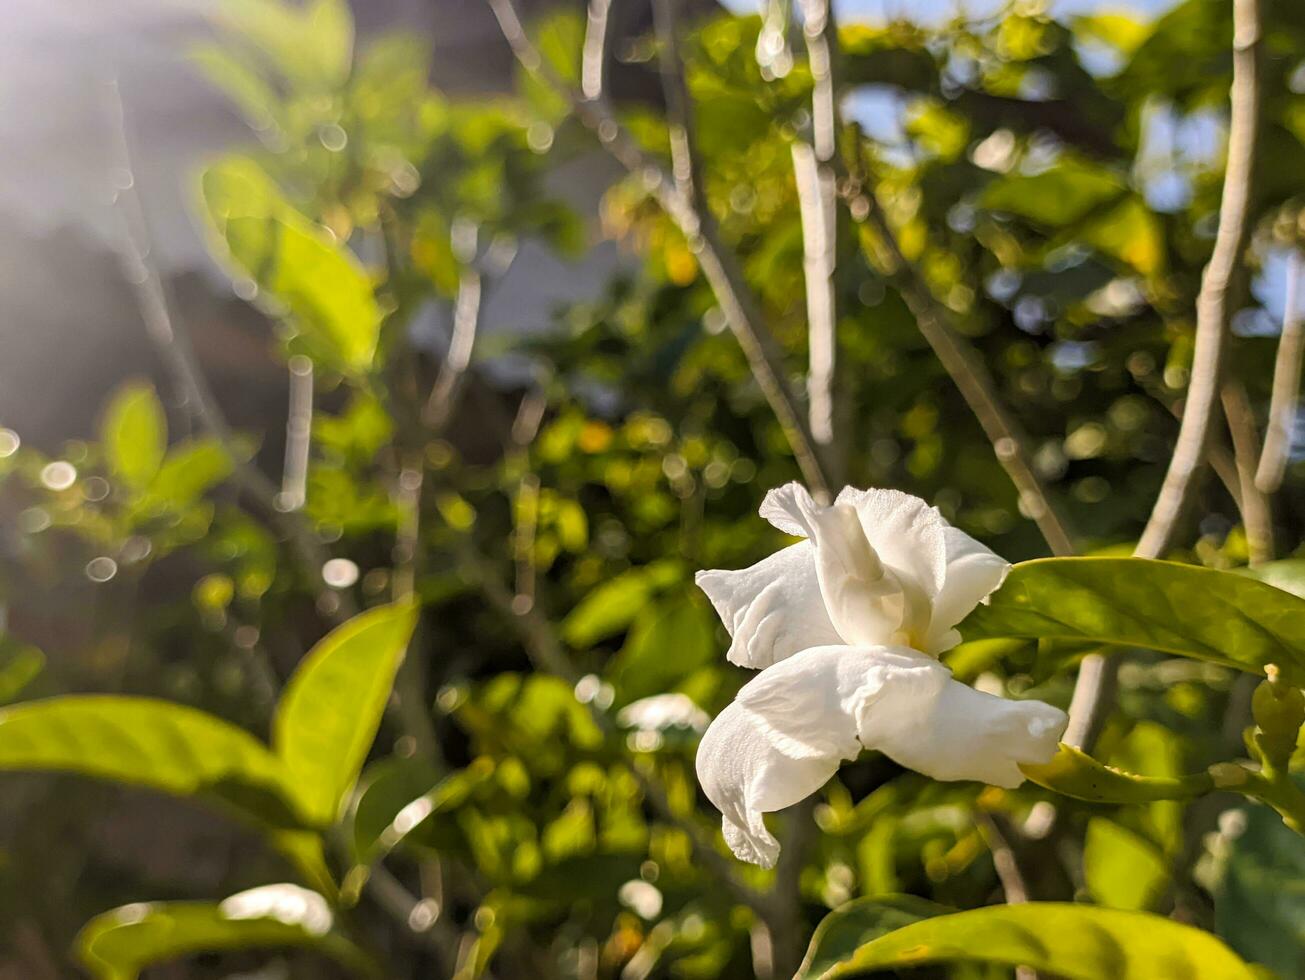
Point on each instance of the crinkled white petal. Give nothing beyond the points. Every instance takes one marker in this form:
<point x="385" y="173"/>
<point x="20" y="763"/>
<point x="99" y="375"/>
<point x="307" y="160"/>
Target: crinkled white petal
<point x="973" y="573"/>
<point x="908" y="534"/>
<point x="904" y="576"/>
<point x="871" y="598"/>
<point x="783" y="737"/>
<point x="793" y="725"/>
<point x="772" y="609"/>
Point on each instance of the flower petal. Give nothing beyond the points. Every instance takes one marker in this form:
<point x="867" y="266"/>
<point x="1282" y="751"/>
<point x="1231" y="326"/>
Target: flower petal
<point x="866" y="602"/>
<point x="783" y="507"/>
<point x="772" y="609"/>
<point x="949" y="731"/>
<point x="780" y="741"/>
<point x="908" y="535"/>
<point x="973" y="573"/>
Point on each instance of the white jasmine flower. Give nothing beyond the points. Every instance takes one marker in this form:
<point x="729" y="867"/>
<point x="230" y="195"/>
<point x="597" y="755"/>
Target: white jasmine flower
<point x="848" y="625"/>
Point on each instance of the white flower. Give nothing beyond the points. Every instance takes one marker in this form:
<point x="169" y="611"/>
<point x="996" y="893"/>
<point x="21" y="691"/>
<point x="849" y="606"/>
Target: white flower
<point x="662" y="711"/>
<point x="848" y="625"/>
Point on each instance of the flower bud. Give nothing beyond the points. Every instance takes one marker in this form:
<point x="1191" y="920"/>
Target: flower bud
<point x="1279" y="711"/>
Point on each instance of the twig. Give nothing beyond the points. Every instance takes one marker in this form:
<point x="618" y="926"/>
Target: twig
<point x="815" y="186"/>
<point x="966" y="369"/>
<point x="444" y="394"/>
<point x="298" y="435"/>
<point x="816" y="171"/>
<point x="1212" y="300"/>
<point x="698" y="225"/>
<point x="593" y="59"/>
<point x="1286" y="385"/>
<point x="1257" y="516"/>
<point x="179" y="356"/>
<point x="1096" y="676"/>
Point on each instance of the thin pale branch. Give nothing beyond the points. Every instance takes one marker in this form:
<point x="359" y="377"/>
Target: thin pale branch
<point x="815" y="186"/>
<point x="594" y="55"/>
<point x="444" y="394"/>
<point x="966" y="369"/>
<point x="1096" y="676"/>
<point x="1286" y="385"/>
<point x="298" y="435"/>
<point x="1212" y="301"/>
<point x="720" y="266"/>
<point x="1257" y="516"/>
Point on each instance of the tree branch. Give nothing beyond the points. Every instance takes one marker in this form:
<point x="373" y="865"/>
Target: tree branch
<point x="966" y="369"/>
<point x="1096" y="676"/>
<point x="1212" y="301"/>
<point x="697" y="224"/>
<point x="598" y="39"/>
<point x="1286" y="385"/>
<point x="1257" y="517"/>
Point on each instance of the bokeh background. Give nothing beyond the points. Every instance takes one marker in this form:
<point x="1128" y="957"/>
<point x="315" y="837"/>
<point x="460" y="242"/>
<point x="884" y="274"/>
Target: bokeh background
<point x="1053" y="171"/>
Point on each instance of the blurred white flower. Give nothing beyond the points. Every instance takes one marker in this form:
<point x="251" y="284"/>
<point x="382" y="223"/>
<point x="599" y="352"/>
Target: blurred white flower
<point x="286" y="903"/>
<point x="848" y="625"/>
<point x="663" y="711"/>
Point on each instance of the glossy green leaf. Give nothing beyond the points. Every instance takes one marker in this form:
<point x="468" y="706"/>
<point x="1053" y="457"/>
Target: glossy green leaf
<point x="1072" y="772"/>
<point x="1185" y="610"/>
<point x="154" y="744"/>
<point x="121" y="943"/>
<point x="318" y="282"/>
<point x="849" y="927"/>
<point x="135" y="434"/>
<point x="332" y="705"/>
<point x="1079" y="942"/>
<point x="1288" y="575"/>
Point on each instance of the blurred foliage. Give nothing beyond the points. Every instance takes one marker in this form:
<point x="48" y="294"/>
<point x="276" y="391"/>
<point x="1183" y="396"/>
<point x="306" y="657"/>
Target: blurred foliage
<point x="1057" y="184"/>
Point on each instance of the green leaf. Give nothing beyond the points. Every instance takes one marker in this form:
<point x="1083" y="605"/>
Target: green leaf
<point x="1079" y="942"/>
<point x="319" y="283"/>
<point x="20" y="664"/>
<point x="1259" y="888"/>
<point x="612" y="606"/>
<point x="667" y="643"/>
<point x="191" y="468"/>
<point x="135" y="434"/>
<point x="843" y="931"/>
<point x="119" y="944"/>
<point x="154" y="744"/>
<point x="1288" y="575"/>
<point x="1057" y="196"/>
<point x="385" y="791"/>
<point x="1184" y="610"/>
<point x="332" y="705"/>
<point x="1122" y="869"/>
<point x="1071" y="772"/>
<point x="1130" y="232"/>
<point x="310" y="45"/>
